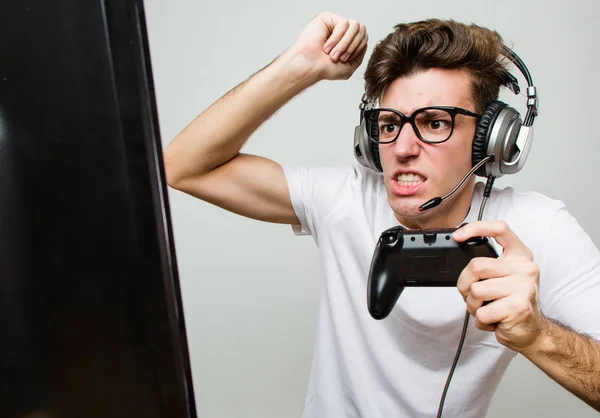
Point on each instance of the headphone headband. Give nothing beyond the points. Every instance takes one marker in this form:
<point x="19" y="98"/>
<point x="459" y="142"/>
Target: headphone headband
<point x="532" y="98"/>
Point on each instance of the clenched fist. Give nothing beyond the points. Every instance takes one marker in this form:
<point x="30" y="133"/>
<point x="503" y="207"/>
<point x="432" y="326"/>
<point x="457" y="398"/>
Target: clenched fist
<point x="331" y="46"/>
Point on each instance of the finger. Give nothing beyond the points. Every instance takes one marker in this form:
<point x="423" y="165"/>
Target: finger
<point x="501" y="310"/>
<point x="485" y="327"/>
<point x="478" y="298"/>
<point x="481" y="268"/>
<point x="356" y="41"/>
<point x="475" y="304"/>
<point x="341" y="47"/>
<point x="494" y="289"/>
<point x="360" y="52"/>
<point x="338" y="29"/>
<point x="500" y="231"/>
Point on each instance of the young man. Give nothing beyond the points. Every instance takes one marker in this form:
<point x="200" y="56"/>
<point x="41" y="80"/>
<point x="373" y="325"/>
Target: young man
<point x="398" y="366"/>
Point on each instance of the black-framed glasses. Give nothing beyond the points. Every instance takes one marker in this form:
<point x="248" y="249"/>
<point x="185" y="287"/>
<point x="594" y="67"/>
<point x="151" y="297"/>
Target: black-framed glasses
<point x="433" y="124"/>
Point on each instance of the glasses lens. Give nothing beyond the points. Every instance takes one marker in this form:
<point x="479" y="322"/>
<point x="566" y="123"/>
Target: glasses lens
<point x="383" y="126"/>
<point x="434" y="125"/>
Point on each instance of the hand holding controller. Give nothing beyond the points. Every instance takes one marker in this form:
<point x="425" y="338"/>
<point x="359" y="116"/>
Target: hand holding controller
<point x="411" y="258"/>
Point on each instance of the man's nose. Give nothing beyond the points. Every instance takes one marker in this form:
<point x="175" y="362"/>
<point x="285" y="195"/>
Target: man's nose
<point x="408" y="144"/>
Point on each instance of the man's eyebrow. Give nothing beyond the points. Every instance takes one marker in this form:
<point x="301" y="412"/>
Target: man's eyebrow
<point x="429" y="112"/>
<point x="389" y="117"/>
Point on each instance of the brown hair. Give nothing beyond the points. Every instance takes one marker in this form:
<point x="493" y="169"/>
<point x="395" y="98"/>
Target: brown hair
<point x="435" y="43"/>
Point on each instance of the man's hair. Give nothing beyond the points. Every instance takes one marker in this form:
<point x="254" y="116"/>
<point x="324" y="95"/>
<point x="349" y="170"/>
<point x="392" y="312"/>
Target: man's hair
<point x="434" y="43"/>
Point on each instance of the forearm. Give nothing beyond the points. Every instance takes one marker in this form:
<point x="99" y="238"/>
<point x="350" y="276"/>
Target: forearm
<point x="569" y="358"/>
<point x="217" y="135"/>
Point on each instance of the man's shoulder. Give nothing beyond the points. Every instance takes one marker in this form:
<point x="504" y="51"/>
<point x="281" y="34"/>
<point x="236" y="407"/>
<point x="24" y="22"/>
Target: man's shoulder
<point x="530" y="215"/>
<point x="509" y="198"/>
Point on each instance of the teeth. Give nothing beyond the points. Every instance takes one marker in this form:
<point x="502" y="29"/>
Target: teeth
<point x="409" y="179"/>
<point x="409" y="183"/>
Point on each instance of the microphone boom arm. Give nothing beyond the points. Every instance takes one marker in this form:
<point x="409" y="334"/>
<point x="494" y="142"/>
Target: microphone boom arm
<point x="437" y="200"/>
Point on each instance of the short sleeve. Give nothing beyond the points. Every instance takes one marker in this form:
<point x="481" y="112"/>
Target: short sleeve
<point x="570" y="275"/>
<point x="316" y="192"/>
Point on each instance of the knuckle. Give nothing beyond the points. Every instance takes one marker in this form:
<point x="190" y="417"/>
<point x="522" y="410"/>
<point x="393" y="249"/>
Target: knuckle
<point x="528" y="254"/>
<point x="533" y="270"/>
<point x="502" y="227"/>
<point x="477" y="266"/>
<point x="520" y="306"/>
<point x="476" y="290"/>
<point x="325" y="16"/>
<point x="480" y="319"/>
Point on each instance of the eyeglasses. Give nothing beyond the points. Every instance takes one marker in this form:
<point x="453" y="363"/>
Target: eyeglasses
<point x="432" y="124"/>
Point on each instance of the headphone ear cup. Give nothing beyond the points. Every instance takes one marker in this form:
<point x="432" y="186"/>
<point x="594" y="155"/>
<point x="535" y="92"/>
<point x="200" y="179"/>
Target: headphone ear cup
<point x="481" y="141"/>
<point x="374" y="134"/>
<point x="364" y="152"/>
<point x="510" y="149"/>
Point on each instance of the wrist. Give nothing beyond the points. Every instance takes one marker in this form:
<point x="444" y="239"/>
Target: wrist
<point x="295" y="67"/>
<point x="543" y="342"/>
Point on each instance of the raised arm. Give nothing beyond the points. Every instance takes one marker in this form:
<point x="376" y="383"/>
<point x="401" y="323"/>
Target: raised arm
<point x="204" y="160"/>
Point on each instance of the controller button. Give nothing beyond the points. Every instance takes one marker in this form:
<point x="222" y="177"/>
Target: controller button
<point x="476" y="241"/>
<point x="430" y="238"/>
<point x="389" y="238"/>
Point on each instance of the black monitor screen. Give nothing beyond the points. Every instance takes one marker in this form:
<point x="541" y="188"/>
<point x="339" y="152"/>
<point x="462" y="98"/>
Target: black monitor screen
<point x="91" y="323"/>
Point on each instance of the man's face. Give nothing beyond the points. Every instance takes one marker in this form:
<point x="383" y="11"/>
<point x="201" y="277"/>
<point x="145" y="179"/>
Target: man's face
<point x="415" y="171"/>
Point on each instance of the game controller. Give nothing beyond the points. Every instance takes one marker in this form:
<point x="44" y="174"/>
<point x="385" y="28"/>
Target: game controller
<point x="413" y="258"/>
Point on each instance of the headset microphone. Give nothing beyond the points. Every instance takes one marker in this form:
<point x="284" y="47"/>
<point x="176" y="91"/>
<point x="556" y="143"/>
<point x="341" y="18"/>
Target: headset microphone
<point x="439" y="199"/>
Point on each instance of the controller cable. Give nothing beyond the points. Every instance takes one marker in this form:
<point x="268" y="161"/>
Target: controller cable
<point x="486" y="194"/>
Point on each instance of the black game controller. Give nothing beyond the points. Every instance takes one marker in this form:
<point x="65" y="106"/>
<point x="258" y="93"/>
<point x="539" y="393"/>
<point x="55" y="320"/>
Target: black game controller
<point x="413" y="258"/>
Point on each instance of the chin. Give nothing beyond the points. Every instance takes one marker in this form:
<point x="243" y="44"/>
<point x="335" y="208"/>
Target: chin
<point x="407" y="209"/>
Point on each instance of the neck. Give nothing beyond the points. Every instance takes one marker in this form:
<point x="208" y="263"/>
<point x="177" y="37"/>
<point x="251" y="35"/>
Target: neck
<point x="448" y="214"/>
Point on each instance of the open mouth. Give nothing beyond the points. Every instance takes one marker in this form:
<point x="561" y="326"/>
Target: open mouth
<point x="406" y="184"/>
<point x="409" y="180"/>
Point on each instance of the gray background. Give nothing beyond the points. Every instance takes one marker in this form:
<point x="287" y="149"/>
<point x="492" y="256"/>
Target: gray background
<point x="250" y="289"/>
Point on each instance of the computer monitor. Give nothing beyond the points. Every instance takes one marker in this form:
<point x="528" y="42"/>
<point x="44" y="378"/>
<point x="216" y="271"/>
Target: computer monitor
<point x="91" y="321"/>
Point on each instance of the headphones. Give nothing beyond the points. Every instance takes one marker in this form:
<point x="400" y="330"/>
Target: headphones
<point x="500" y="132"/>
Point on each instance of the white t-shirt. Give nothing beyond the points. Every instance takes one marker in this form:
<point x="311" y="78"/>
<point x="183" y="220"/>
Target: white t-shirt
<point x="397" y="367"/>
